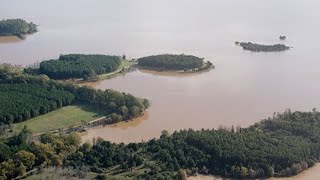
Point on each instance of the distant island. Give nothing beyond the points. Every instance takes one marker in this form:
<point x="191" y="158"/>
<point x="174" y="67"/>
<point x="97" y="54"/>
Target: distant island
<point x="17" y="27"/>
<point x="170" y="62"/>
<point x="262" y="48"/>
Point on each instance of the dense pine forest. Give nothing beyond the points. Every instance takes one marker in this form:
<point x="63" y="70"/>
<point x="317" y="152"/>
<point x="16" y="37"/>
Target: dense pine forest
<point x="79" y="66"/>
<point x="171" y="62"/>
<point x="284" y="145"/>
<point x="16" y="27"/>
<point x="24" y="96"/>
<point x="19" y="102"/>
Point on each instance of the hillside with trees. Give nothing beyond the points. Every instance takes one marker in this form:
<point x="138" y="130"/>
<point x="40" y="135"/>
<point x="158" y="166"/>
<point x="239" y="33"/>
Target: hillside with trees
<point x="171" y="62"/>
<point x="79" y="66"/>
<point x="284" y="145"/>
<point x="19" y="156"/>
<point x="17" y="27"/>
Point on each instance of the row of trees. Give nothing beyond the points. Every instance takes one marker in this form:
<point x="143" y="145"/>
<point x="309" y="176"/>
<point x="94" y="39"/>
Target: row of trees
<point x="284" y="145"/>
<point x="19" y="155"/>
<point x="171" y="62"/>
<point x="79" y="66"/>
<point x="16" y="27"/>
<point x="19" y="102"/>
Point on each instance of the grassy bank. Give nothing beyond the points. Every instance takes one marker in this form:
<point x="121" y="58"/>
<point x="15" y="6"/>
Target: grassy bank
<point x="65" y="117"/>
<point x="124" y="64"/>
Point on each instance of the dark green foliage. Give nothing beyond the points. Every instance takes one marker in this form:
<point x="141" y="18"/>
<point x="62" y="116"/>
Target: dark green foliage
<point x="120" y="106"/>
<point x="171" y="62"/>
<point x="79" y="66"/>
<point x="105" y="154"/>
<point x="282" y="146"/>
<point x="16" y="27"/>
<point x="19" y="102"/>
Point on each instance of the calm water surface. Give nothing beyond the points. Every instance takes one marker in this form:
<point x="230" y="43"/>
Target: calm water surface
<point x="244" y="88"/>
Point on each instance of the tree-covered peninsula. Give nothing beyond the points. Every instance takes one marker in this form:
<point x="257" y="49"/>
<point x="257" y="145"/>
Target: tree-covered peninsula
<point x="174" y="62"/>
<point x="23" y="97"/>
<point x="262" y="48"/>
<point x="17" y="27"/>
<point x="79" y="66"/>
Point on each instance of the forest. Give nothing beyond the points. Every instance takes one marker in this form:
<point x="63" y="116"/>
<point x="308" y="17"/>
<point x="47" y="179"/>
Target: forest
<point x="79" y="66"/>
<point x="171" y="62"/>
<point x="25" y="96"/>
<point x="16" y="27"/>
<point x="19" y="102"/>
<point x="283" y="145"/>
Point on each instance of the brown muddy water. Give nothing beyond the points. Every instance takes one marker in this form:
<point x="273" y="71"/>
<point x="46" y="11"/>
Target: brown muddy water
<point x="244" y="88"/>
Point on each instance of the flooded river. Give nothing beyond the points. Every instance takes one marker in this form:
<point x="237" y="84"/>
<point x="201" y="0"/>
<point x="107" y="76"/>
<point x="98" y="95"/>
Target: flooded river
<point x="244" y="88"/>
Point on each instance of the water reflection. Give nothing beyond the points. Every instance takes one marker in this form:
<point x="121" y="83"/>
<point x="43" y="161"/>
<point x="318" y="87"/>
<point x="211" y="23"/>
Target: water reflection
<point x="10" y="39"/>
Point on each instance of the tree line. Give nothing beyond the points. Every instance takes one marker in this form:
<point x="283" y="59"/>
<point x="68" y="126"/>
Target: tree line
<point x="283" y="145"/>
<point x="79" y="66"/>
<point x="16" y="27"/>
<point x="171" y="62"/>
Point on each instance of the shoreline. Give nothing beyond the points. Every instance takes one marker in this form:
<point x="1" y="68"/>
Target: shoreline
<point x="203" y="68"/>
<point x="98" y="123"/>
<point x="126" y="68"/>
<point x="308" y="174"/>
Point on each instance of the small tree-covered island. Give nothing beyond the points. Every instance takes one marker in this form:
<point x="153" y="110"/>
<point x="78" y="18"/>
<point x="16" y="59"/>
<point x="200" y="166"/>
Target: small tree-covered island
<point x="262" y="48"/>
<point x="169" y="62"/>
<point x="17" y="27"/>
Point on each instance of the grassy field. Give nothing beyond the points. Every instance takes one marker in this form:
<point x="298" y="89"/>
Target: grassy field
<point x="65" y="117"/>
<point x="124" y="64"/>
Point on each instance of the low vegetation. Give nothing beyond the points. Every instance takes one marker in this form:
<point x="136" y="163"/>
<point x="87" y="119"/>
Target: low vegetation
<point x="79" y="66"/>
<point x="65" y="117"/>
<point x="263" y="48"/>
<point x="171" y="62"/>
<point x="16" y="27"/>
